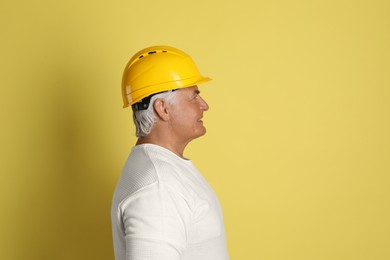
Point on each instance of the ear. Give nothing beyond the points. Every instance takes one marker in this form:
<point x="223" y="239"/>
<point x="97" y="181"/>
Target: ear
<point x="162" y="109"/>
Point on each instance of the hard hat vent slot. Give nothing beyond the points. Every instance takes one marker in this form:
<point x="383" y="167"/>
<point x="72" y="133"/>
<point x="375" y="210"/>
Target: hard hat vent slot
<point x="149" y="53"/>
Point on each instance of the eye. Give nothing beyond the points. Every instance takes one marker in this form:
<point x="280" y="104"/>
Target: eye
<point x="196" y="97"/>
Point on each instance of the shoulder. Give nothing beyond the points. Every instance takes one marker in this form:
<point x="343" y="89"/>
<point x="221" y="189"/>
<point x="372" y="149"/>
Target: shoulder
<point x="147" y="165"/>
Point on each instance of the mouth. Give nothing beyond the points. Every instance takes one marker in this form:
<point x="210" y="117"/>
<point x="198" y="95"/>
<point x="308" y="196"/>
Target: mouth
<point x="200" y="119"/>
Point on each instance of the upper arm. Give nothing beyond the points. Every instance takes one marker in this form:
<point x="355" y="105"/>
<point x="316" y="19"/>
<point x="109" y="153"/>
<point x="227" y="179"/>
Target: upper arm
<point x="155" y="222"/>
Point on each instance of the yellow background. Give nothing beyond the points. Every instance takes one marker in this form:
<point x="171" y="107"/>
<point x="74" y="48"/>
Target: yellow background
<point x="298" y="143"/>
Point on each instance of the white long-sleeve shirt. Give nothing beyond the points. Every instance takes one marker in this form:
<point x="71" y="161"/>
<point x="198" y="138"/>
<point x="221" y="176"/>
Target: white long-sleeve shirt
<point x="163" y="209"/>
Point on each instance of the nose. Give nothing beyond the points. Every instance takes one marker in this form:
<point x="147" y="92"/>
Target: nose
<point x="203" y="104"/>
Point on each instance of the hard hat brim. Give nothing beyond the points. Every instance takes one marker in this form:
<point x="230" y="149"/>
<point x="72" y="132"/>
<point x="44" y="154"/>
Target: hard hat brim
<point x="166" y="86"/>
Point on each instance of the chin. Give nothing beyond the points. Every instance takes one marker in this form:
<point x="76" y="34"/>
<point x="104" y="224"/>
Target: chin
<point x="198" y="131"/>
<point x="203" y="132"/>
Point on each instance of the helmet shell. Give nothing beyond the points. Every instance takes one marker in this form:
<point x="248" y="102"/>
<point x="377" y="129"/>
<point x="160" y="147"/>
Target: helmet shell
<point x="157" y="69"/>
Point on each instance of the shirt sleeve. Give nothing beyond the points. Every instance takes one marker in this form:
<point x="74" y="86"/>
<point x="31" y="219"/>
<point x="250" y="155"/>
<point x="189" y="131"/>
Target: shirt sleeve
<point x="155" y="222"/>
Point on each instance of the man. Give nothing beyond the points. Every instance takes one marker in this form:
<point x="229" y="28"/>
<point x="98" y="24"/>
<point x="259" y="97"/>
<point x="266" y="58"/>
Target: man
<point x="163" y="209"/>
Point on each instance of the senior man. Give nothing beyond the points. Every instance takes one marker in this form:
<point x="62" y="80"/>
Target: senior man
<point x="163" y="209"/>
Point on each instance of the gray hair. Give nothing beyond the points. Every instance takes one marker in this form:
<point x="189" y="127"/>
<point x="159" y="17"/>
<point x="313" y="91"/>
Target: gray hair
<point x="144" y="120"/>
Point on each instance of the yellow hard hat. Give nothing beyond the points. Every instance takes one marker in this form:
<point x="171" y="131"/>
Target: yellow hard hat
<point x="157" y="69"/>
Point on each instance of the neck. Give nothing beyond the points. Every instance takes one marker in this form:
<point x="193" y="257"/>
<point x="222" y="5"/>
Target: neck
<point x="166" y="143"/>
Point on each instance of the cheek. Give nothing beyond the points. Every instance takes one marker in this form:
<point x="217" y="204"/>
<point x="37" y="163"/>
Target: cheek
<point x="186" y="117"/>
<point x="182" y="118"/>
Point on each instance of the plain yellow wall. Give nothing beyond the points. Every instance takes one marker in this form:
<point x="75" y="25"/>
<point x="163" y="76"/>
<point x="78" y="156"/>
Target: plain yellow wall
<point x="298" y="143"/>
